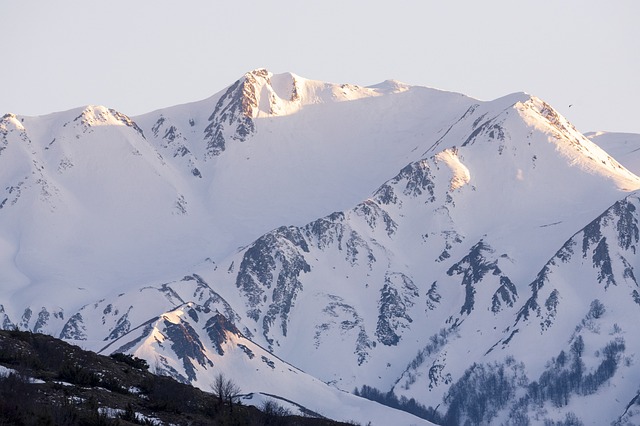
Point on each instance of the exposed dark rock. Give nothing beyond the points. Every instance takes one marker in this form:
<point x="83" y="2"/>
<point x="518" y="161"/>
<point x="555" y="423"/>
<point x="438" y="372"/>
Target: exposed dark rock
<point x="41" y="322"/>
<point x="74" y="329"/>
<point x="373" y="214"/>
<point x="473" y="268"/>
<point x="396" y="297"/>
<point x="506" y="293"/>
<point x="281" y="251"/>
<point x="123" y="325"/>
<point x="433" y="297"/>
<point x="232" y="117"/>
<point x="217" y="328"/>
<point x="186" y="344"/>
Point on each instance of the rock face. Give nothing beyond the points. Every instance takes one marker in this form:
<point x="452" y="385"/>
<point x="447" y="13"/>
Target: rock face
<point x="414" y="241"/>
<point x="233" y="116"/>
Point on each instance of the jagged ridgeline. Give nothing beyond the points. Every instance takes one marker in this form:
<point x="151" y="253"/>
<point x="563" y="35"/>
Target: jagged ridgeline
<point x="461" y="261"/>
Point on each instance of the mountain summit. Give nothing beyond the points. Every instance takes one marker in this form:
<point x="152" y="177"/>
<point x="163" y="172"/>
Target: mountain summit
<point x="310" y="238"/>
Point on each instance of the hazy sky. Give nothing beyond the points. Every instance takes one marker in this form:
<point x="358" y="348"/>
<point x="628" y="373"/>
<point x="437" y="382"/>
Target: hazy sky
<point x="141" y="55"/>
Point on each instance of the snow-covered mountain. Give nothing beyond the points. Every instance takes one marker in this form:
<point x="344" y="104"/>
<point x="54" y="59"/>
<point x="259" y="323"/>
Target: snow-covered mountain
<point x="310" y="238"/>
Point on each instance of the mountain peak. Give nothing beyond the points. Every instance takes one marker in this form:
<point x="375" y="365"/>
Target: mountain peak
<point x="259" y="73"/>
<point x="573" y="145"/>
<point x="390" y="86"/>
<point x="94" y="115"/>
<point x="98" y="115"/>
<point x="10" y="121"/>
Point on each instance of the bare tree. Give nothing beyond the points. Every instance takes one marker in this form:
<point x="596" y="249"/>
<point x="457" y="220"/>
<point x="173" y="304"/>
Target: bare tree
<point x="218" y="387"/>
<point x="225" y="389"/>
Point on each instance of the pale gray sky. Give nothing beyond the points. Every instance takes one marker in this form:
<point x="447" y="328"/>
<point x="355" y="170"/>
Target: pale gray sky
<point x="141" y="55"/>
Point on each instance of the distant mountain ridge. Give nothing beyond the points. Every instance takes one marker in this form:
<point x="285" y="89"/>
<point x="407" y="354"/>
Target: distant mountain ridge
<point x="293" y="232"/>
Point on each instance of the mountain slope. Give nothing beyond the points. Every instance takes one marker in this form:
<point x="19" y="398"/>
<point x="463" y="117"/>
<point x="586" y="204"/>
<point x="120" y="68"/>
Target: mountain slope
<point x="85" y="176"/>
<point x="399" y="237"/>
<point x="412" y="255"/>
<point x="623" y="146"/>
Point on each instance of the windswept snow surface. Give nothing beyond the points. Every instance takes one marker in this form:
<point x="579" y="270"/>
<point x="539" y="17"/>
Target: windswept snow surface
<point x="307" y="238"/>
